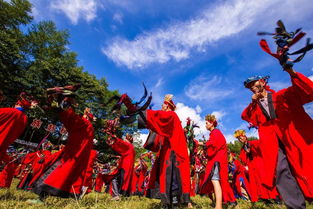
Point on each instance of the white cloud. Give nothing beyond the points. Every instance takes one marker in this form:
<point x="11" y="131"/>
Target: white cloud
<point x="209" y="89"/>
<point x="176" y="41"/>
<point x="198" y="109"/>
<point x="219" y="114"/>
<point x="311" y="77"/>
<point x="183" y="111"/>
<point x="159" y="83"/>
<point x="278" y="85"/>
<point x="76" y="9"/>
<point x="118" y="17"/>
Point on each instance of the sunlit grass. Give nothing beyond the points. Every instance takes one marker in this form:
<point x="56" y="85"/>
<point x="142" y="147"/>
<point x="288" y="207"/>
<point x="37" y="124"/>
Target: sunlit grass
<point x="13" y="198"/>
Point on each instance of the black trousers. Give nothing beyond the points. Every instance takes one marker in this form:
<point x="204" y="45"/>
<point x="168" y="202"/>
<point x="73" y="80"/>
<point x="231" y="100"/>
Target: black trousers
<point x="287" y="184"/>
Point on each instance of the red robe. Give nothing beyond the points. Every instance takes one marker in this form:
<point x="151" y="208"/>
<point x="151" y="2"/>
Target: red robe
<point x="12" y="125"/>
<point x="255" y="169"/>
<point x="293" y="127"/>
<point x="172" y="157"/>
<point x="26" y="168"/>
<point x="127" y="151"/>
<point x="89" y="170"/>
<point x="240" y="177"/>
<point x="216" y="149"/>
<point x="99" y="183"/>
<point x="7" y="174"/>
<point x="65" y="177"/>
<point x="139" y="176"/>
<point x="39" y="165"/>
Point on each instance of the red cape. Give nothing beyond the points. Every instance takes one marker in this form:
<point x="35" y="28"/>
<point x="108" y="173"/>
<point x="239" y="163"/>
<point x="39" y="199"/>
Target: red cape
<point x="12" y="125"/>
<point x="66" y="174"/>
<point x="293" y="128"/>
<point x="172" y="157"/>
<point x="127" y="151"/>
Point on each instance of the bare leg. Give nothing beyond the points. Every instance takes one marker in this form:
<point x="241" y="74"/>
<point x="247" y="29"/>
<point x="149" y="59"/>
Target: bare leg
<point x="217" y="193"/>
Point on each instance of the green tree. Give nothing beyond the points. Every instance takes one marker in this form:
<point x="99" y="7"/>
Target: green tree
<point x="34" y="57"/>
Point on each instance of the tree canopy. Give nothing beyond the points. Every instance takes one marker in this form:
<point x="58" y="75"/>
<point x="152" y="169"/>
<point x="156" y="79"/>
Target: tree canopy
<point x="36" y="56"/>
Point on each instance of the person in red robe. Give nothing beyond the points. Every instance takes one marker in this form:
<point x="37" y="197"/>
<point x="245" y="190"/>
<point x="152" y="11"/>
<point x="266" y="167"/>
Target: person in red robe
<point x="13" y="122"/>
<point x="240" y="182"/>
<point x="285" y="132"/>
<point x="7" y="174"/>
<point x="139" y="175"/>
<point x="64" y="178"/>
<point x="88" y="173"/>
<point x="126" y="149"/>
<point x="250" y="156"/>
<point x="99" y="179"/>
<point x="216" y="172"/>
<point x="171" y="170"/>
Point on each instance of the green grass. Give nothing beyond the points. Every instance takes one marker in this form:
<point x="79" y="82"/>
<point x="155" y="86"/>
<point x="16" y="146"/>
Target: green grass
<point x="12" y="198"/>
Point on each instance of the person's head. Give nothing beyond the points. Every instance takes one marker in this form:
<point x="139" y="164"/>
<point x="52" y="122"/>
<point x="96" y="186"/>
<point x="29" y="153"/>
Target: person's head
<point x="241" y="135"/>
<point x="210" y="122"/>
<point x="25" y="101"/>
<point x="168" y="104"/>
<point x="257" y="84"/>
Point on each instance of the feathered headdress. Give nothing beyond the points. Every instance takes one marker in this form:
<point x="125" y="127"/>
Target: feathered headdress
<point x="211" y="118"/>
<point x="168" y="100"/>
<point x="239" y="132"/>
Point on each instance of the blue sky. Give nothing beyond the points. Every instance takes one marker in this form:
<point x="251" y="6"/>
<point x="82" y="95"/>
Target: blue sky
<point x="199" y="51"/>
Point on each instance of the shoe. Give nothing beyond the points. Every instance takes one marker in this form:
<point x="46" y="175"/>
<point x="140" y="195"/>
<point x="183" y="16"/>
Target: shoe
<point x="35" y="201"/>
<point x="175" y="200"/>
<point x="116" y="198"/>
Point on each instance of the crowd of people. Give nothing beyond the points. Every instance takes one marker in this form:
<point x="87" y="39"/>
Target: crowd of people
<point x="274" y="168"/>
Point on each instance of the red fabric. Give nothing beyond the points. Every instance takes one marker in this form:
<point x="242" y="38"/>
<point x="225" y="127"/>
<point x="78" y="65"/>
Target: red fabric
<point x="168" y="125"/>
<point x="127" y="151"/>
<point x="99" y="182"/>
<point x="12" y="125"/>
<point x="240" y="174"/>
<point x="68" y="176"/>
<point x="39" y="165"/>
<point x="255" y="169"/>
<point x="26" y="167"/>
<point x="139" y="177"/>
<point x="266" y="48"/>
<point x="7" y="174"/>
<point x="89" y="170"/>
<point x="294" y="129"/>
<point x="216" y="150"/>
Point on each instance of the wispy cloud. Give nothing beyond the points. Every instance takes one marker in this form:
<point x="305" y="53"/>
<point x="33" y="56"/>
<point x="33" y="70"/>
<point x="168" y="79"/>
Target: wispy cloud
<point x="118" y="17"/>
<point x="209" y="89"/>
<point x="76" y="9"/>
<point x="219" y="114"/>
<point x="176" y="41"/>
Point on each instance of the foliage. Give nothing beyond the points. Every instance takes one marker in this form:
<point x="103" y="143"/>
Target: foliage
<point x="34" y="57"/>
<point x="235" y="146"/>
